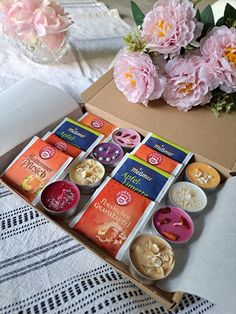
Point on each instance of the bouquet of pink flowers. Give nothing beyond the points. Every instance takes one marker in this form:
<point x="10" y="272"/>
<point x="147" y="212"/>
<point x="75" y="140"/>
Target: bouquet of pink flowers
<point x="35" y="22"/>
<point x="180" y="54"/>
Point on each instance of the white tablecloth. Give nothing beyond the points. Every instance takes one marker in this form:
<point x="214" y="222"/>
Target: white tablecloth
<point x="42" y="270"/>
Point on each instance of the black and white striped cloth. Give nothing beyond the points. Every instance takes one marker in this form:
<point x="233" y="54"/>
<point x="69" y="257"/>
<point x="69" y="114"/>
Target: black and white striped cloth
<point x="43" y="270"/>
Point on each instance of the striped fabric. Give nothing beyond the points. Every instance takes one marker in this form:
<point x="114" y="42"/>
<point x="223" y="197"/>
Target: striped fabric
<point x="43" y="270"/>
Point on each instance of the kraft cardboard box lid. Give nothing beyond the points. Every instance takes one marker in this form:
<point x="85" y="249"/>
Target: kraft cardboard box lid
<point x="197" y="130"/>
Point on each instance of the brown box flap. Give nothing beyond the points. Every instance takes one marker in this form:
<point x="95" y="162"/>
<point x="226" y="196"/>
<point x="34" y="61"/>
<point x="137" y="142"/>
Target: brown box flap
<point x="197" y="130"/>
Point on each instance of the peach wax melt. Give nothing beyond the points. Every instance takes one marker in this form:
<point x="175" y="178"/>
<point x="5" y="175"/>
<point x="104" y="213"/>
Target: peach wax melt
<point x="87" y="174"/>
<point x="173" y="223"/>
<point x="60" y="198"/>
<point x="202" y="175"/>
<point x="151" y="258"/>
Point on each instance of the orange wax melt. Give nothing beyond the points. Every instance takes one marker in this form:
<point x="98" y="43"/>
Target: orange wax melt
<point x="203" y="175"/>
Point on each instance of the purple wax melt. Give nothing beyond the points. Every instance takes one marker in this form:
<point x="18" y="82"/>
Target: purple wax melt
<point x="108" y="154"/>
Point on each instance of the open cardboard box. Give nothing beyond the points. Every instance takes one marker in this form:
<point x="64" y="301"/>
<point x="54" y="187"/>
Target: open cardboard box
<point x="210" y="139"/>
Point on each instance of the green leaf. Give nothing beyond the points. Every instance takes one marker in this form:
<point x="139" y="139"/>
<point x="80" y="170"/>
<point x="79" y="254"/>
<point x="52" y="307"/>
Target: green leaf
<point x="198" y="15"/>
<point x="221" y="21"/>
<point x="207" y="18"/>
<point x="137" y="14"/>
<point x="230" y="15"/>
<point x="233" y="98"/>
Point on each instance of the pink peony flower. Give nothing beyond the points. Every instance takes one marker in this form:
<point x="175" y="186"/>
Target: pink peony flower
<point x="170" y="26"/>
<point x="189" y="82"/>
<point x="220" y="47"/>
<point x="136" y="76"/>
<point x="32" y="20"/>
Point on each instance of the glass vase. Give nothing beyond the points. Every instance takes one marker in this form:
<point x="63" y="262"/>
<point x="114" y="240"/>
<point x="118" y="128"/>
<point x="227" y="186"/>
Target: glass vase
<point x="41" y="51"/>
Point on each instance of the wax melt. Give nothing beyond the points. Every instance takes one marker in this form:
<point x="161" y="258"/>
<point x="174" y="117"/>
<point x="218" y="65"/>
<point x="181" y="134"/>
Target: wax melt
<point x="167" y="148"/>
<point x="173" y="223"/>
<point x="78" y="134"/>
<point x="87" y="174"/>
<point x="63" y="146"/>
<point x="202" y="175"/>
<point x="151" y="258"/>
<point x="97" y="123"/>
<point x="187" y="196"/>
<point x="109" y="154"/>
<point x="157" y="159"/>
<point x="142" y="177"/>
<point x="37" y="165"/>
<point x="60" y="198"/>
<point x="113" y="216"/>
<point x="126" y="138"/>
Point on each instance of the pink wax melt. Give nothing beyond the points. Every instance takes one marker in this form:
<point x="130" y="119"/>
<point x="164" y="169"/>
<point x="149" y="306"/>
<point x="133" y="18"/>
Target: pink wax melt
<point x="60" y="198"/>
<point x="173" y="224"/>
<point x="126" y="138"/>
<point x="108" y="154"/>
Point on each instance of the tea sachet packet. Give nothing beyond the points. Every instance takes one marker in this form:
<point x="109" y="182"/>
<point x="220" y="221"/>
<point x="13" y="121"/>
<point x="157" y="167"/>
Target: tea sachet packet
<point x="157" y="159"/>
<point x="98" y="124"/>
<point x="142" y="177"/>
<point x="63" y="146"/>
<point x="167" y="148"/>
<point x="113" y="216"/>
<point x="38" y="164"/>
<point x="78" y="134"/>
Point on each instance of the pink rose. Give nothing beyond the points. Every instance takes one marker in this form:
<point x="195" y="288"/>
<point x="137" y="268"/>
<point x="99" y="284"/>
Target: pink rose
<point x="33" y="20"/>
<point x="5" y="5"/>
<point x="189" y="82"/>
<point x="136" y="76"/>
<point x="220" y="47"/>
<point x="170" y="26"/>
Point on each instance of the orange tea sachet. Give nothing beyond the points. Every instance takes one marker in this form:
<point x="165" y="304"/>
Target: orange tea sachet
<point x="157" y="159"/>
<point x="37" y="165"/>
<point x="97" y="123"/>
<point x="113" y="217"/>
<point x="63" y="146"/>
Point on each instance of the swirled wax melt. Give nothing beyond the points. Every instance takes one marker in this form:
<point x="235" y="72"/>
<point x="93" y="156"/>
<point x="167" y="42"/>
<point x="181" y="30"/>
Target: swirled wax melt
<point x="60" y="199"/>
<point x="126" y="138"/>
<point x="87" y="174"/>
<point x="108" y="154"/>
